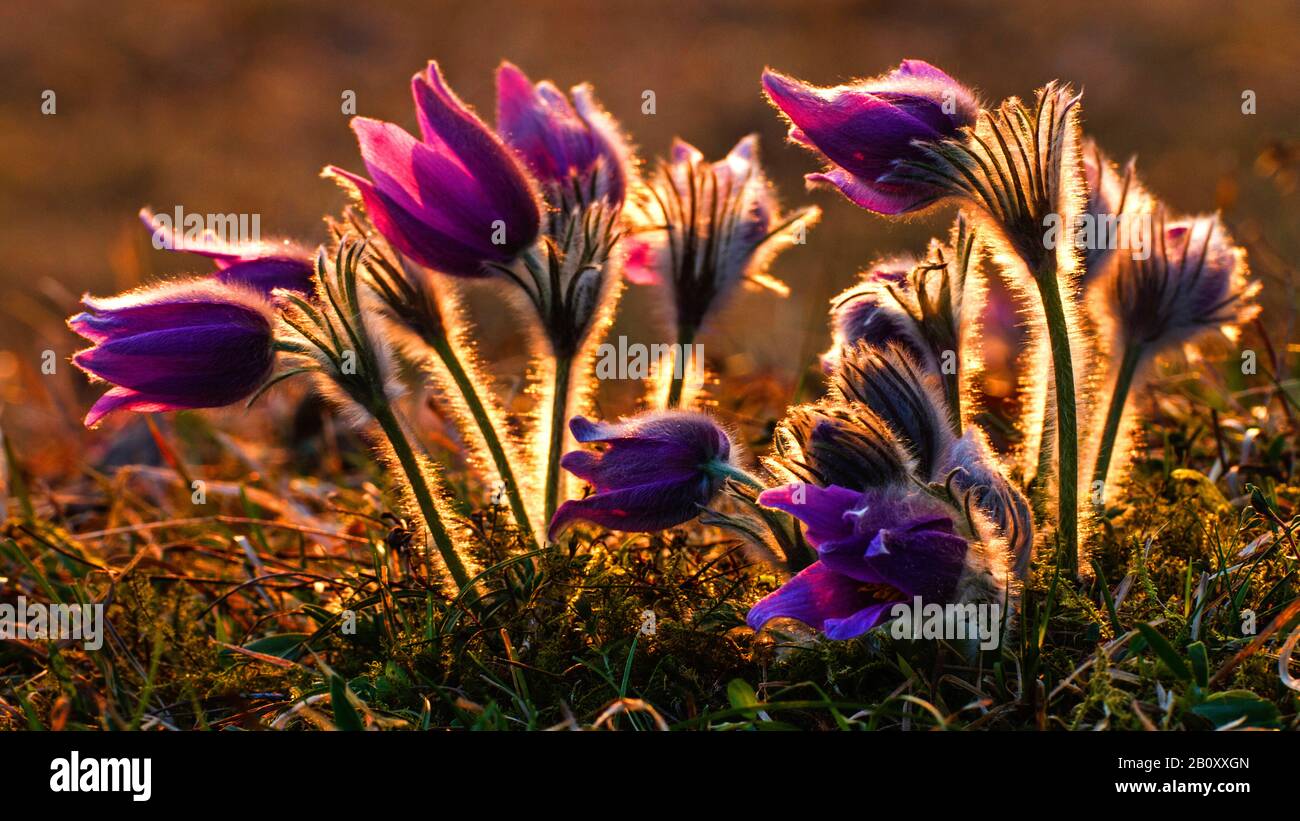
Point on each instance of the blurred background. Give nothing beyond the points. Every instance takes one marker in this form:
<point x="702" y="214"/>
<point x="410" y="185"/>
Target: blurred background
<point x="235" y="106"/>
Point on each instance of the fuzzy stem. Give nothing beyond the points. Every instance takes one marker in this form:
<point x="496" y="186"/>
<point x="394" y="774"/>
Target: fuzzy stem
<point x="952" y="392"/>
<point x="1118" y="398"/>
<point x="423" y="496"/>
<point x="1066" y="428"/>
<point x="476" y="409"/>
<point x="685" y="337"/>
<point x="559" y="409"/>
<point x="726" y="470"/>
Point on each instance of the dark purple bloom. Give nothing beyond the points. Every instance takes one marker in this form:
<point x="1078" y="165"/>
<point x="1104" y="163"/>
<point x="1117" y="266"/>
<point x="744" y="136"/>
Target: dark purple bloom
<point x="863" y="128"/>
<point x="977" y="472"/>
<point x="264" y="267"/>
<point x="187" y="344"/>
<point x="1195" y="280"/>
<point x="453" y="201"/>
<point x="656" y="471"/>
<point x="875" y="549"/>
<point x="571" y="145"/>
<point x="875" y="312"/>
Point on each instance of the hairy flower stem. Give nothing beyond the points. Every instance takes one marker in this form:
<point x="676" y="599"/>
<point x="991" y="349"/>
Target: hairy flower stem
<point x="559" y="411"/>
<point x="1118" y="398"/>
<point x="1066" y="428"/>
<point x="952" y="392"/>
<point x="442" y="346"/>
<point x="685" y="338"/>
<point x="423" y="495"/>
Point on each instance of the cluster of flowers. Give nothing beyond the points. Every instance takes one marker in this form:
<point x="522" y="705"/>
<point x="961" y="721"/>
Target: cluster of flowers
<point x="882" y="491"/>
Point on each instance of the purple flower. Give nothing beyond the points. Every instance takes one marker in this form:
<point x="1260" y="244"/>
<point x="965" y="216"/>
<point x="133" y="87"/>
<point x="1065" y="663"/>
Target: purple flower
<point x="875" y="549"/>
<point x="1194" y="280"/>
<point x="455" y="200"/>
<point x="876" y="312"/>
<point x="708" y="227"/>
<point x="187" y="344"/>
<point x="977" y="472"/>
<point x="264" y="267"/>
<point x="864" y="127"/>
<point x="656" y="471"/>
<point x="574" y="146"/>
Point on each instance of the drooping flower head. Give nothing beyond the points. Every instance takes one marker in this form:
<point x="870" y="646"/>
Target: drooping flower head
<point x="456" y="200"/>
<point x="657" y="471"/>
<point x="863" y="128"/>
<point x="706" y="228"/>
<point x="265" y="267"/>
<point x="974" y="470"/>
<point x="903" y="395"/>
<point x="185" y="344"/>
<point x="1195" y="280"/>
<point x="875" y="549"/>
<point x="876" y="312"/>
<point x="575" y="150"/>
<point x="838" y="444"/>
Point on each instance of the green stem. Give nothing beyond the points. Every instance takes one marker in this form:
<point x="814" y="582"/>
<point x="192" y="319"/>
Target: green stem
<point x="1067" y="428"/>
<point x="559" y="408"/>
<point x="1118" y="398"/>
<point x="726" y="470"/>
<point x="685" y="338"/>
<point x="952" y="391"/>
<point x="423" y="496"/>
<point x="490" y="438"/>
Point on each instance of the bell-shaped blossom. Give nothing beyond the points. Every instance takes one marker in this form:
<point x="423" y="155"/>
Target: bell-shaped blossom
<point x="265" y="267"/>
<point x="863" y="128"/>
<point x="706" y="228"/>
<point x="185" y="344"/>
<point x="1194" y="281"/>
<point x="457" y="200"/>
<point x="876" y="311"/>
<point x="657" y="470"/>
<point x="838" y="444"/>
<point x="903" y="395"/>
<point x="975" y="470"/>
<point x="875" y="549"/>
<point x="570" y="147"/>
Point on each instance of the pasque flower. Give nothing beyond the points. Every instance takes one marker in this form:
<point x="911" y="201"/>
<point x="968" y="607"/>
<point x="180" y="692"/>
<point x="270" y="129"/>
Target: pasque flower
<point x="875" y="549"/>
<point x="657" y="471"/>
<point x="1116" y="202"/>
<point x="864" y="127"/>
<point x="974" y="470"/>
<point x="705" y="228"/>
<point x="903" y="394"/>
<point x="264" y="267"/>
<point x="455" y="200"/>
<point x="1194" y="281"/>
<point x="839" y="444"/>
<point x="186" y="344"/>
<point x="569" y="147"/>
<point x="875" y="312"/>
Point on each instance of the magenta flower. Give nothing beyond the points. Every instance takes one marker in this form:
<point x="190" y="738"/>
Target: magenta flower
<point x="187" y="344"/>
<point x="863" y="128"/>
<point x="264" y="267"/>
<point x="574" y="146"/>
<point x="874" y="550"/>
<point x="456" y="200"/>
<point x="657" y="471"/>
